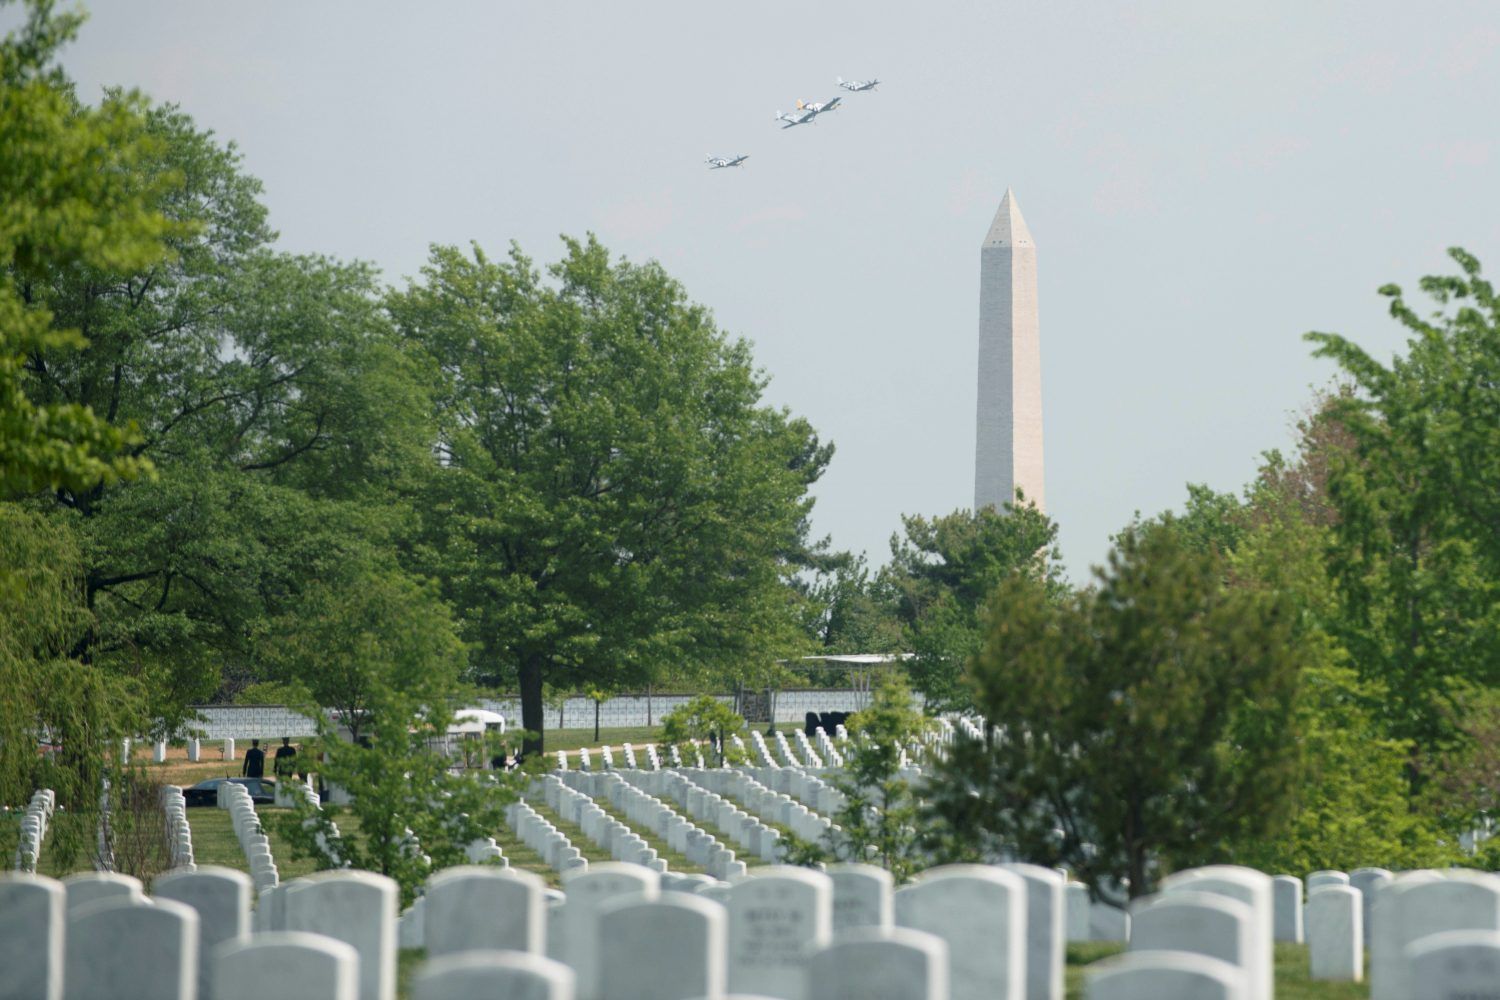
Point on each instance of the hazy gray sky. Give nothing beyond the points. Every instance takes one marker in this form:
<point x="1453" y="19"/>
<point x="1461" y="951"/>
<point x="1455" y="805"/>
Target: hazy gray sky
<point x="1205" y="182"/>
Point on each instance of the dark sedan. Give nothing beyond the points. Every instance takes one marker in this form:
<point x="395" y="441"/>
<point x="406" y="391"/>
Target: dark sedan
<point x="206" y="793"/>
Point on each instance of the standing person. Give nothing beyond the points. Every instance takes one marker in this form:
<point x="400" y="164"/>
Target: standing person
<point x="255" y="761"/>
<point x="286" y="759"/>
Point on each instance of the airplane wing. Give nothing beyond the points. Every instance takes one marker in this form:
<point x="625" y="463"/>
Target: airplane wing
<point x="832" y="103"/>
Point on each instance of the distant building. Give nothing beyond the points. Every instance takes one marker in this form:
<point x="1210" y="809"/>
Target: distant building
<point x="1008" y="445"/>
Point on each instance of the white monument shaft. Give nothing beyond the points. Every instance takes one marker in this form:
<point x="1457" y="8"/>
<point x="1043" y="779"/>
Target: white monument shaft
<point x="1008" y="447"/>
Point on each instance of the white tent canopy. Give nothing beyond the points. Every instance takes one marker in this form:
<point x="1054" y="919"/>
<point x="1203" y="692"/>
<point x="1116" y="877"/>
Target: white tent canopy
<point x="476" y="720"/>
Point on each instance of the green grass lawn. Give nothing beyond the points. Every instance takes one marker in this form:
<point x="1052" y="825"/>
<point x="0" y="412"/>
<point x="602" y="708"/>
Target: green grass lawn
<point x="1292" y="982"/>
<point x="214" y="842"/>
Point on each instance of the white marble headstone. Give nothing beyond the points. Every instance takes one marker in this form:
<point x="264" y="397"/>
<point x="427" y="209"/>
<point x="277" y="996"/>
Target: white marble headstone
<point x="669" y="948"/>
<point x="509" y="974"/>
<point x="358" y="908"/>
<point x="872" y="963"/>
<point x="980" y="911"/>
<point x="285" y="964"/>
<point x="778" y="917"/>
<point x="477" y="908"/>
<point x="33" y="912"/>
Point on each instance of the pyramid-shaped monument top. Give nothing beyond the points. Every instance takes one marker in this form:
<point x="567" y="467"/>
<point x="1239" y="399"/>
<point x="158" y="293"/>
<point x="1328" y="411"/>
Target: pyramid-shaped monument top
<point x="1008" y="229"/>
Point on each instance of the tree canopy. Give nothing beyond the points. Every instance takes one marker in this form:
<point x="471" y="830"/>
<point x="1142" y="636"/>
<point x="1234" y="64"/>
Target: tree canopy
<point x="941" y="575"/>
<point x="612" y="497"/>
<point x="1141" y="723"/>
<point x="1416" y="553"/>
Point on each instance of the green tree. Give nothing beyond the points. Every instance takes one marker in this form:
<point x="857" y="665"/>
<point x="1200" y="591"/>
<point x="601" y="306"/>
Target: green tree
<point x="851" y="610"/>
<point x="50" y="700"/>
<point x="270" y="395"/>
<point x="613" y="496"/>
<point x="881" y="818"/>
<point x="598" y="696"/>
<point x="355" y="640"/>
<point x="1142" y="723"/>
<point x="1347" y="803"/>
<point x="942" y="573"/>
<point x="72" y="195"/>
<point x="703" y="719"/>
<point x="1415" y="553"/>
<point x="416" y="813"/>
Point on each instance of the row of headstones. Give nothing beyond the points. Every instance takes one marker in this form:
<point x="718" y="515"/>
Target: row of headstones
<point x="770" y="805"/>
<point x="625" y="933"/>
<point x="653" y="757"/>
<point x="826" y="748"/>
<point x="956" y="933"/>
<point x="646" y="809"/>
<point x="1209" y="933"/>
<point x="34" y="829"/>
<point x="804" y="746"/>
<point x="763" y="753"/>
<point x="96" y="934"/>
<point x="621" y="789"/>
<point x="669" y="790"/>
<point x="250" y="834"/>
<point x="690" y="790"/>
<point x="179" y="833"/>
<point x="810" y="789"/>
<point x="785" y="749"/>
<point x="966" y="726"/>
<point x="550" y="843"/>
<point x="960" y="932"/>
<point x="618" y="838"/>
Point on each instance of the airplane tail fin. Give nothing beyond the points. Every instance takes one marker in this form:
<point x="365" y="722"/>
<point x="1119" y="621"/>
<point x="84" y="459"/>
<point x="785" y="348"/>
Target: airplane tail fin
<point x="840" y="81"/>
<point x="801" y="105"/>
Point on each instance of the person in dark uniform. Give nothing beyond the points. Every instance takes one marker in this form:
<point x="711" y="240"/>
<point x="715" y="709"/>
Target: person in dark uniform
<point x="255" y="761"/>
<point x="286" y="759"/>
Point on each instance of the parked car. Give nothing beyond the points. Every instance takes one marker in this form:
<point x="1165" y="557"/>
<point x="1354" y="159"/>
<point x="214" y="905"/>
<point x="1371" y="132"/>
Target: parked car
<point x="206" y="793"/>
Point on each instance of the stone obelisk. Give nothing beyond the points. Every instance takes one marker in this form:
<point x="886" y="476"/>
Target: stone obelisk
<point x="1008" y="452"/>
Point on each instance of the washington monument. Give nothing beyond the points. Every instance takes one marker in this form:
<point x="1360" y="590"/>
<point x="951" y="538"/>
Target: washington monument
<point x="1008" y="451"/>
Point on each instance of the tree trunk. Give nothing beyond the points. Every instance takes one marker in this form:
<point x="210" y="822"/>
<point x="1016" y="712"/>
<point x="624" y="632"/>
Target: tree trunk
<point x="1137" y="871"/>
<point x="532" y="709"/>
<point x="597" y="703"/>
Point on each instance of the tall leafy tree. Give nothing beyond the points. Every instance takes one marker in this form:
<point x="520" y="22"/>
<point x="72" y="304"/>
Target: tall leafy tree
<point x="267" y="391"/>
<point x="848" y="609"/>
<point x="942" y="572"/>
<point x="72" y="195"/>
<point x="614" y="496"/>
<point x="364" y="632"/>
<point x="1141" y="723"/>
<point x="1416" y="550"/>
